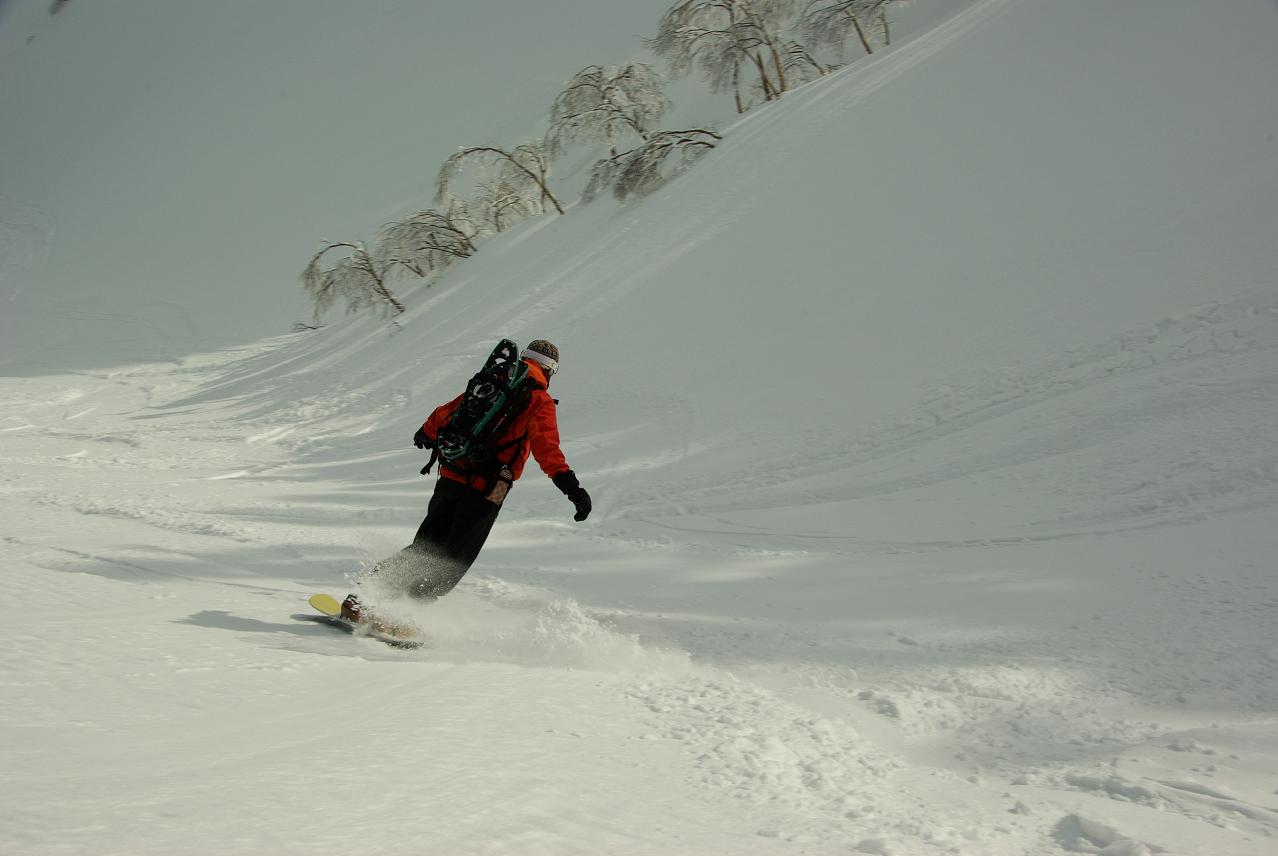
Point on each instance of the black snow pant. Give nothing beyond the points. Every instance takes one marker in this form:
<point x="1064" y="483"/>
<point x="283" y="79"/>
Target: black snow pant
<point x="447" y="543"/>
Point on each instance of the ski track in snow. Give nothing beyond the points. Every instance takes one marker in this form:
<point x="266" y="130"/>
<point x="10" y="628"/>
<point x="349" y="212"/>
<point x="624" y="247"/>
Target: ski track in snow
<point x="804" y="780"/>
<point x="1030" y="611"/>
<point x="1233" y="471"/>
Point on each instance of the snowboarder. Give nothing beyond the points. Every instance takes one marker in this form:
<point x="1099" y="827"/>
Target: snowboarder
<point x="465" y="504"/>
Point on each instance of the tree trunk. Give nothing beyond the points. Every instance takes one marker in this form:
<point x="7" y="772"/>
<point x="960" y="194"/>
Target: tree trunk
<point x="736" y="86"/>
<point x="736" y="63"/>
<point x="860" y="33"/>
<point x="769" y="91"/>
<point x="776" y="64"/>
<point x="546" y="194"/>
<point x="541" y="183"/>
<point x="367" y="261"/>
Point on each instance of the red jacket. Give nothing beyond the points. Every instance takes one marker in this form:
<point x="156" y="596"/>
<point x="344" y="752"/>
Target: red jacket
<point x="537" y="427"/>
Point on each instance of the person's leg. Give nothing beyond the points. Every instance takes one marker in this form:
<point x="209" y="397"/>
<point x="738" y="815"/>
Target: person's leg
<point x="425" y="558"/>
<point x="436" y="527"/>
<point x="471" y="520"/>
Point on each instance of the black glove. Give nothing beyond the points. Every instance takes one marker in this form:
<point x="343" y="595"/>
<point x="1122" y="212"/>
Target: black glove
<point x="421" y="441"/>
<point x="567" y="482"/>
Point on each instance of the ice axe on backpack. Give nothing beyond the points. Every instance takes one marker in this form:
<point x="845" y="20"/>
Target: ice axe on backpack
<point x="421" y="441"/>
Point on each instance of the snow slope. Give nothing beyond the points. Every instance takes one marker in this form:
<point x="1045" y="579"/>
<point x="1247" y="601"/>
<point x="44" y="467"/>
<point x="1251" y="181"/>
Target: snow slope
<point x="930" y="423"/>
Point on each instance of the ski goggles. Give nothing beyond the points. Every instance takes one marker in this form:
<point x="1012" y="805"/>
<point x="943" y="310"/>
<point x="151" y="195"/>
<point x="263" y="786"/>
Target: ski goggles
<point x="551" y="366"/>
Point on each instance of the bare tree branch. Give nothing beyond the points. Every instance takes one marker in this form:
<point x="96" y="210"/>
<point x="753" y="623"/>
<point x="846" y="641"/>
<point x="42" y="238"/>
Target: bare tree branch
<point x="426" y="242"/>
<point x="606" y="105"/>
<point x="524" y="170"/>
<point x="642" y="170"/>
<point x="828" y="23"/>
<point x="356" y="277"/>
<point x="720" y="36"/>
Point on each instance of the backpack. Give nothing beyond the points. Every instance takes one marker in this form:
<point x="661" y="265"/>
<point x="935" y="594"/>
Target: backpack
<point x="494" y="398"/>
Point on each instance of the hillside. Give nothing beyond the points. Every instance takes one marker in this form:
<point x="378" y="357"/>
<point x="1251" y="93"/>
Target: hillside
<point x="930" y="422"/>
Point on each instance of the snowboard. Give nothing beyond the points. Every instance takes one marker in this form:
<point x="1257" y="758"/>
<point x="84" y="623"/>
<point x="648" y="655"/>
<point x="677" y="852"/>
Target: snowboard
<point x="330" y="613"/>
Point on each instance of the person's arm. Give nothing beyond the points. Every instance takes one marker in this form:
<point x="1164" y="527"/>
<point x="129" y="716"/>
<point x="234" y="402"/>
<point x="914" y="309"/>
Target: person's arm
<point x="543" y="435"/>
<point x="425" y="436"/>
<point x="543" y="440"/>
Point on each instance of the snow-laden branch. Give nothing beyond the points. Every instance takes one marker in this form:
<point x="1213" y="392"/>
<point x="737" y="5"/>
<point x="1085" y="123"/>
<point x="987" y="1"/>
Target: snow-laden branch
<point x="642" y="170"/>
<point x="607" y="105"/>
<point x="522" y="172"/>
<point x="357" y="277"/>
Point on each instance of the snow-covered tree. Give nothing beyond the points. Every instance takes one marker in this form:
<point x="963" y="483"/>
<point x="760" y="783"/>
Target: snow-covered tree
<point x="357" y="277"/>
<point x="606" y="105"/>
<point x="801" y="66"/>
<point x="428" y="241"/>
<point x="507" y="184"/>
<point x="722" y="37"/>
<point x="500" y="204"/>
<point x="642" y="170"/>
<point x="829" y="23"/>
